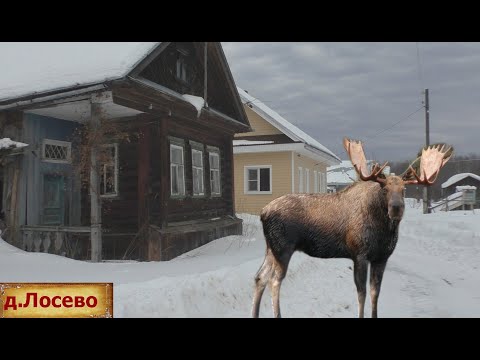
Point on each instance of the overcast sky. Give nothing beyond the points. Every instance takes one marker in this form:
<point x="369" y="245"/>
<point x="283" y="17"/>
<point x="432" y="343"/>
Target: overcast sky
<point x="331" y="90"/>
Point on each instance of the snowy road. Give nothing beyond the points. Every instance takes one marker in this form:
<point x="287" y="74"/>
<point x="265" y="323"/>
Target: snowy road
<point x="434" y="272"/>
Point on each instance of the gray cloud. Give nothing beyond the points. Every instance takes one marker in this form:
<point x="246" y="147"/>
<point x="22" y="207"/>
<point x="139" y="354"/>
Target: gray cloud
<point x="331" y="90"/>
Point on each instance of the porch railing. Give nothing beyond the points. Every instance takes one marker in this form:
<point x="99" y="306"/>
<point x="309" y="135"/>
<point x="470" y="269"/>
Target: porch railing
<point x="50" y="239"/>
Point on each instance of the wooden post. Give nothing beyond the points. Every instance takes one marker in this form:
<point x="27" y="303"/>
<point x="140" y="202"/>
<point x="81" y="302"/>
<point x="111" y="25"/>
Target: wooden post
<point x="164" y="172"/>
<point x="229" y="173"/>
<point x="95" y="200"/>
<point x="143" y="179"/>
<point x="14" y="204"/>
<point x="205" y="74"/>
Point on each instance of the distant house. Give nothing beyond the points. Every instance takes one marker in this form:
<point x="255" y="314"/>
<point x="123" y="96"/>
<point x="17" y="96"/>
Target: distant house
<point x="164" y="190"/>
<point x="449" y="187"/>
<point x="276" y="158"/>
<point x="342" y="175"/>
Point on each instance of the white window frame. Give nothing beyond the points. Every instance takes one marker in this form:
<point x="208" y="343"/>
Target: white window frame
<point x="66" y="144"/>
<point x="217" y="154"/>
<point x="324" y="177"/>
<point x="315" y="181"/>
<point x="115" y="172"/>
<point x="300" y="180"/>
<point x="202" y="168"/>
<point x="245" y="179"/>
<point x="320" y="181"/>
<point x="173" y="146"/>
<point x="307" y="181"/>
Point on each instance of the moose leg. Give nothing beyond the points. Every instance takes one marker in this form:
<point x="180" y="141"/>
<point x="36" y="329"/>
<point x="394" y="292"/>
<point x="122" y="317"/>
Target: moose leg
<point x="280" y="270"/>
<point x="261" y="279"/>
<point x="376" y="276"/>
<point x="360" y="269"/>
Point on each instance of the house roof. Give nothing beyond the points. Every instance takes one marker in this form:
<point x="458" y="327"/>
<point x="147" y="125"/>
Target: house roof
<point x="45" y="71"/>
<point x="275" y="119"/>
<point x="30" y="68"/>
<point x="344" y="173"/>
<point x="456" y="178"/>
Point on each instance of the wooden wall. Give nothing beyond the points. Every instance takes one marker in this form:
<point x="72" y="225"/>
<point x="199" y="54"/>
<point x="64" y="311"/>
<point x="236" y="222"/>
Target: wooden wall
<point x="163" y="208"/>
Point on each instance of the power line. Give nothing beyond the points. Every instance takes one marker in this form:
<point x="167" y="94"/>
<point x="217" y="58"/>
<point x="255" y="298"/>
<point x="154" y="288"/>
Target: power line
<point x="339" y="148"/>
<point x="395" y="124"/>
<point x="455" y="161"/>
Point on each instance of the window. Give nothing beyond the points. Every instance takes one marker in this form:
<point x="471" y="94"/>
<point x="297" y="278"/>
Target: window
<point x="258" y="179"/>
<point x="56" y="151"/>
<point x="109" y="171"/>
<point x="307" y="180"/>
<point x="300" y="180"/>
<point x="177" y="173"/>
<point x="214" y="158"/>
<point x="315" y="181"/>
<point x="197" y="172"/>
<point x="181" y="68"/>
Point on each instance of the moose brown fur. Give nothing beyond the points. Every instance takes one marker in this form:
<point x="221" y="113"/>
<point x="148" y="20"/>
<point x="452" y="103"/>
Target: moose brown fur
<point x="359" y="223"/>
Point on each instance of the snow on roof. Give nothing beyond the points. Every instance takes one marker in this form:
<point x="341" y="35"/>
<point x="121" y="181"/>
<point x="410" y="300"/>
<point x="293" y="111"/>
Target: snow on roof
<point x="458" y="177"/>
<point x="281" y="123"/>
<point x="196" y="101"/>
<point x="338" y="178"/>
<point x="7" y="143"/>
<point x="465" y="187"/>
<point x="27" y="68"/>
<point x="344" y="173"/>
<point x="250" y="142"/>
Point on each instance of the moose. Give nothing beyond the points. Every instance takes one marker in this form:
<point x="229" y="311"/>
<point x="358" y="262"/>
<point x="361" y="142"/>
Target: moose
<point x="360" y="223"/>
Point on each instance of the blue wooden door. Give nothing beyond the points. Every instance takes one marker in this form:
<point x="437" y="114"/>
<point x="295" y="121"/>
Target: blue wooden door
<point x="53" y="199"/>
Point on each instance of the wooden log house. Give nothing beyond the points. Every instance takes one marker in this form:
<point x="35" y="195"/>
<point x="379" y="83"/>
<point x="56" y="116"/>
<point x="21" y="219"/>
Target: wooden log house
<point x="168" y="187"/>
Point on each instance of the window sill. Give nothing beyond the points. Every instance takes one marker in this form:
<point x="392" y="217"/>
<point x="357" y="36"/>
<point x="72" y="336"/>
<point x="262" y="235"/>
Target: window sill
<point x="56" y="161"/>
<point x="258" y="193"/>
<point x="110" y="196"/>
<point x="178" y="197"/>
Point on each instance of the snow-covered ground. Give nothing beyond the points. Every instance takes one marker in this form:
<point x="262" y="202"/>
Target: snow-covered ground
<point x="434" y="272"/>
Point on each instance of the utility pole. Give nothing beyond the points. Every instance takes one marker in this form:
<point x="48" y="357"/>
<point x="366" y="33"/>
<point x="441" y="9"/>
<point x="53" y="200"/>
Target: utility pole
<point x="426" y="189"/>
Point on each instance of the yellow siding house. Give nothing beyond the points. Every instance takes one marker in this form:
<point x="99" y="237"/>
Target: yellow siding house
<point x="276" y="158"/>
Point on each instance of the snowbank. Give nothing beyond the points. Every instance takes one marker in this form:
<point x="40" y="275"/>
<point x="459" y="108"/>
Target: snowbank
<point x="434" y="272"/>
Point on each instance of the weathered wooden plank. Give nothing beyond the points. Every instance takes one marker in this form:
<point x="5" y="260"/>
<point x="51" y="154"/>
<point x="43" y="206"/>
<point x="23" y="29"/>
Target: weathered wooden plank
<point x="95" y="201"/>
<point x="73" y="229"/>
<point x="164" y="172"/>
<point x="143" y="174"/>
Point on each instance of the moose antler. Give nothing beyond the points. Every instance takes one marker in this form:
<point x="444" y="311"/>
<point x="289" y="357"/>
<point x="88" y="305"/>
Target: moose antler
<point x="355" y="151"/>
<point x="433" y="158"/>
